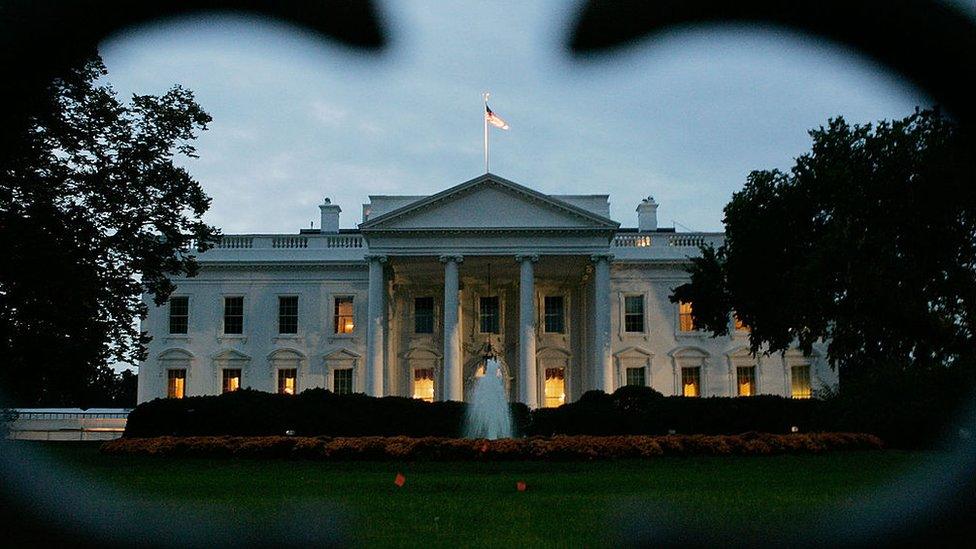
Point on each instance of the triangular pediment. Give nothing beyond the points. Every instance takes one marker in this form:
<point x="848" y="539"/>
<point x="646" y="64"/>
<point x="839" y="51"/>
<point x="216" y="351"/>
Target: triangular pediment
<point x="492" y="203"/>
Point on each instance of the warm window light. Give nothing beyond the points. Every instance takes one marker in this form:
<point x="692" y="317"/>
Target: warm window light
<point x="685" y="321"/>
<point x="232" y="380"/>
<point x="176" y="384"/>
<point x="344" y="315"/>
<point x="554" y="393"/>
<point x="691" y="382"/>
<point x="287" y="381"/>
<point x="800" y="381"/>
<point x="739" y="325"/>
<point x="423" y="384"/>
<point x="746" y="380"/>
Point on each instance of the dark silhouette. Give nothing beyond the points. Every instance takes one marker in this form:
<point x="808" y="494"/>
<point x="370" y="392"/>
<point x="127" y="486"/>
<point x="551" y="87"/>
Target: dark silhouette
<point x="93" y="214"/>
<point x="868" y="242"/>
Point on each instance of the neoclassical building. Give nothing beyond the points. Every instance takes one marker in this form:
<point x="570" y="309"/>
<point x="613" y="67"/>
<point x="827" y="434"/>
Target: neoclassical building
<point x="412" y="301"/>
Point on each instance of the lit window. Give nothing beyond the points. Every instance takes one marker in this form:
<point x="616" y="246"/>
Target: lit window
<point x="800" y="381"/>
<point x="488" y="314"/>
<point x="554" y="389"/>
<point x="288" y="314"/>
<point x="634" y="313"/>
<point x="691" y="381"/>
<point x="423" y="384"/>
<point x="232" y="380"/>
<point x="423" y="315"/>
<point x="343" y="315"/>
<point x="739" y="325"/>
<point x="287" y="381"/>
<point x="176" y="383"/>
<point x="685" y="321"/>
<point x="635" y="376"/>
<point x="745" y="380"/>
<point x="234" y="315"/>
<point x="554" y="317"/>
<point x="179" y="314"/>
<point x="342" y="381"/>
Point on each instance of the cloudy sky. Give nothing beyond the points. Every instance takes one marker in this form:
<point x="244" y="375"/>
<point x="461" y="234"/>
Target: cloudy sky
<point x="683" y="118"/>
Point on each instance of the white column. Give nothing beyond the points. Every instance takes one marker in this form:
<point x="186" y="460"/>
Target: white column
<point x="376" y="318"/>
<point x="453" y="381"/>
<point x="603" y="366"/>
<point x="528" y="377"/>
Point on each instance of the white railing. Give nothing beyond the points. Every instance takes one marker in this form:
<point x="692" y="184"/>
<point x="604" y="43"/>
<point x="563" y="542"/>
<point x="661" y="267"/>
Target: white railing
<point x="235" y="242"/>
<point x="289" y="242"/>
<point x="671" y="240"/>
<point x="689" y="240"/>
<point x="247" y="243"/>
<point x="632" y="241"/>
<point x="345" y="241"/>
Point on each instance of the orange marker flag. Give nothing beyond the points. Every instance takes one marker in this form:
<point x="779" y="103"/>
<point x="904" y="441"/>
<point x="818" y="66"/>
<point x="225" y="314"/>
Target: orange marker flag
<point x="520" y="486"/>
<point x="400" y="480"/>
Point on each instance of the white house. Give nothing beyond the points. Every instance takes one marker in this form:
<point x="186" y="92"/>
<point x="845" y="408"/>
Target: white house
<point x="412" y="302"/>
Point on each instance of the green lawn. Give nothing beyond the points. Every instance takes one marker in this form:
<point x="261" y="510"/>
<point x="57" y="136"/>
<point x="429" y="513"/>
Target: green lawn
<point x="444" y="504"/>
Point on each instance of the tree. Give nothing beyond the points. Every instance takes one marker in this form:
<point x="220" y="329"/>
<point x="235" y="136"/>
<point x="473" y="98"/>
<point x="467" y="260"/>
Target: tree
<point x="868" y="243"/>
<point x="94" y="213"/>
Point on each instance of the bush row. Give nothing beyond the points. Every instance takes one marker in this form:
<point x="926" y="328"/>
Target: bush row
<point x="909" y="419"/>
<point x="580" y="447"/>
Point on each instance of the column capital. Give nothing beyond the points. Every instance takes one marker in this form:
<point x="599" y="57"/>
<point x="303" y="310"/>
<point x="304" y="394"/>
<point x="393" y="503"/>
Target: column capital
<point x="596" y="258"/>
<point x="379" y="257"/>
<point x="527" y="257"/>
<point x="450" y="257"/>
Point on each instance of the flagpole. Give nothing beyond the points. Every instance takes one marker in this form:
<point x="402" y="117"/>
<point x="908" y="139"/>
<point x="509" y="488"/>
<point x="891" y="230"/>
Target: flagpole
<point x="484" y="115"/>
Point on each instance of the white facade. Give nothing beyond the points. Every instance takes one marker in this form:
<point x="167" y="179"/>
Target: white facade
<point x="564" y="297"/>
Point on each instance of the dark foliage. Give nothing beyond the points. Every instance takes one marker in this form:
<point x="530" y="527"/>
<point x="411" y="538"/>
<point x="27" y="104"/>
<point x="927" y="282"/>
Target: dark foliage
<point x="95" y="212"/>
<point x="900" y="417"/>
<point x="868" y="243"/>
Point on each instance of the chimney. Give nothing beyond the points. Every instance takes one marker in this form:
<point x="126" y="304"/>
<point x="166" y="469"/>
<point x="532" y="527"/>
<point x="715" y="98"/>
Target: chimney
<point x="647" y="215"/>
<point x="330" y="217"/>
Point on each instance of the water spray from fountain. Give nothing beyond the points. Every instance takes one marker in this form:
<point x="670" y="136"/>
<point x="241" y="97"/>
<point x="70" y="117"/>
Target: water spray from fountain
<point x="489" y="415"/>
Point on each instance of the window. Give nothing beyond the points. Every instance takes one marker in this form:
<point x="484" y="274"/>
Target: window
<point x="342" y="381"/>
<point x="288" y="314"/>
<point x="554" y="388"/>
<point x="685" y="321"/>
<point x="691" y="381"/>
<point x="423" y="315"/>
<point x="635" y="376"/>
<point x="176" y="383"/>
<point x="488" y="313"/>
<point x="423" y="384"/>
<point x="232" y="381"/>
<point x="634" y="313"/>
<point x="800" y="381"/>
<point x="234" y="315"/>
<point x="553" y="313"/>
<point x="179" y="314"/>
<point x="287" y="381"/>
<point x="343" y="315"/>
<point x="745" y="380"/>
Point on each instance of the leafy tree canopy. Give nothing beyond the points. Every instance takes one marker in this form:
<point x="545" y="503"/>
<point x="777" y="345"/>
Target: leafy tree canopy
<point x="95" y="211"/>
<point x="868" y="243"/>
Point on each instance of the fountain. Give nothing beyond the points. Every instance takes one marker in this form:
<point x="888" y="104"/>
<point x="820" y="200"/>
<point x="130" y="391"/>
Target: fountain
<point x="488" y="413"/>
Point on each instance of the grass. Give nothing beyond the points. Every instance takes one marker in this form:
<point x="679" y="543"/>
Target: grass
<point x="470" y="504"/>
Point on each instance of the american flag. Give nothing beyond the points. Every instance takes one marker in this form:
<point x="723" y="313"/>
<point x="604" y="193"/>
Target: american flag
<point x="494" y="119"/>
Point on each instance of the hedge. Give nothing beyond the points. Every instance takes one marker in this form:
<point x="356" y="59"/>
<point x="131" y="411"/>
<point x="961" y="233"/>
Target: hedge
<point x="559" y="448"/>
<point x="903" y="420"/>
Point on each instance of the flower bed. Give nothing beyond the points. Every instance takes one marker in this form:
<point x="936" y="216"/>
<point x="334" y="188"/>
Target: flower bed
<point x="558" y="448"/>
